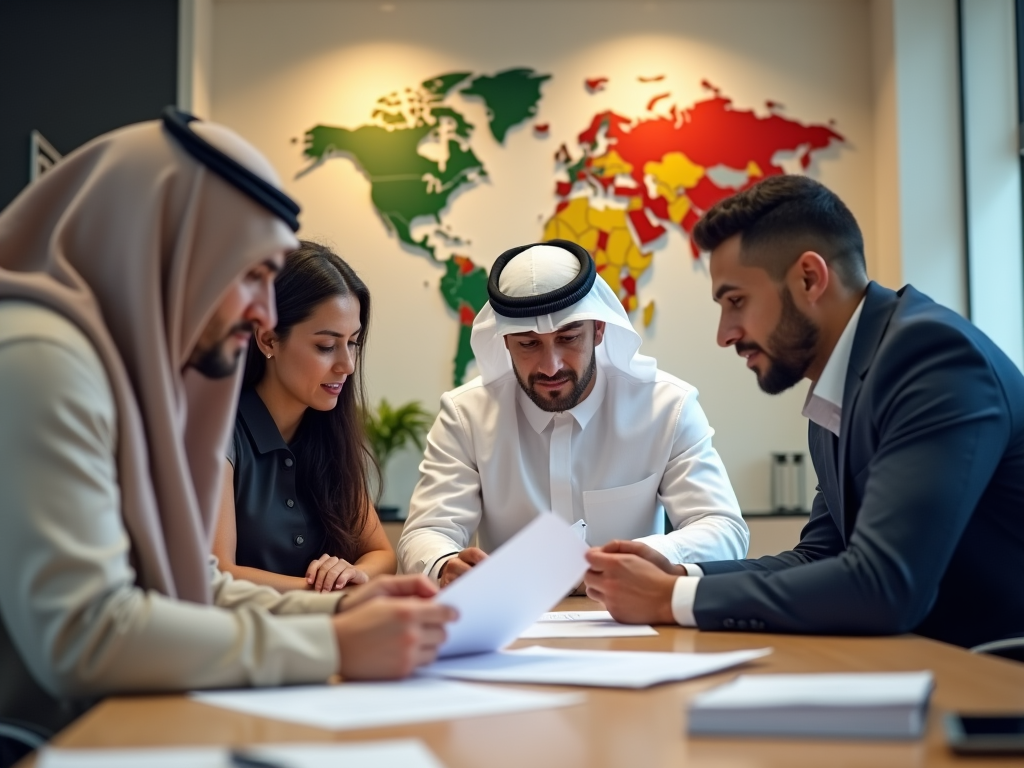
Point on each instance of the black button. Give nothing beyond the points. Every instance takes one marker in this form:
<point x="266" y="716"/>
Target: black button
<point x="299" y="541"/>
<point x="290" y="503"/>
<point x="729" y="623"/>
<point x="741" y="624"/>
<point x="288" y="461"/>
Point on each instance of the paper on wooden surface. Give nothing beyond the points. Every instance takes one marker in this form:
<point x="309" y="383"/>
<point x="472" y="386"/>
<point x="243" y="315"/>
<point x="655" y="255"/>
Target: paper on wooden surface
<point x="604" y="669"/>
<point x="583" y="624"/>
<point x="408" y="753"/>
<point x="503" y="595"/>
<point x="373" y="705"/>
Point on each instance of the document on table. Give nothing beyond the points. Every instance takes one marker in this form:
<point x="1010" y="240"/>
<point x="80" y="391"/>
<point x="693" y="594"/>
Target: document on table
<point x="503" y="595"/>
<point x="408" y="753"/>
<point x="584" y="624"/>
<point x="374" y="705"/>
<point x="604" y="669"/>
<point x="866" y="704"/>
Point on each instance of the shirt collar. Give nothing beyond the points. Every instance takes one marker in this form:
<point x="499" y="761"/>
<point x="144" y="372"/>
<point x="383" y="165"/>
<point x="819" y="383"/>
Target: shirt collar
<point x="824" y="404"/>
<point x="583" y="412"/>
<point x="259" y="423"/>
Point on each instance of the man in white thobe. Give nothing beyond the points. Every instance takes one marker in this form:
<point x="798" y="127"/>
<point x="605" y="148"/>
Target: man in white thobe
<point x="566" y="418"/>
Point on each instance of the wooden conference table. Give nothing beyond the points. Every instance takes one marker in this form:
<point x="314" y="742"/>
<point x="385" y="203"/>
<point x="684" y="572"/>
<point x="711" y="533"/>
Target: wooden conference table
<point x="616" y="728"/>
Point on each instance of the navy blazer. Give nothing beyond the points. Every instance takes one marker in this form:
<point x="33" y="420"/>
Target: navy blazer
<point x="918" y="522"/>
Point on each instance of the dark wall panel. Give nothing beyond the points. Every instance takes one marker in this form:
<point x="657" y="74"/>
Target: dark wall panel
<point x="73" y="69"/>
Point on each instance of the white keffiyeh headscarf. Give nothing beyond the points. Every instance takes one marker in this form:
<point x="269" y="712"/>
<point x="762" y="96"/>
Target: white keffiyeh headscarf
<point x="539" y="270"/>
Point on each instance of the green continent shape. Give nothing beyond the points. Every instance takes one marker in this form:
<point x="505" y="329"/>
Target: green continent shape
<point x="403" y="183"/>
<point x="462" y="126"/>
<point x="440" y="85"/>
<point x="511" y="97"/>
<point x="464" y="288"/>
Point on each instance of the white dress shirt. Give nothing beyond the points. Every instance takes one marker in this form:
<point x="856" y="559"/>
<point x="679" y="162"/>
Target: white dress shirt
<point x="824" y="406"/>
<point x="495" y="460"/>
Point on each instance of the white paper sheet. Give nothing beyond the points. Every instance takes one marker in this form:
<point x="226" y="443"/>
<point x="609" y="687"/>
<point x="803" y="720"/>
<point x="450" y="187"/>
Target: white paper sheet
<point x="408" y="753"/>
<point x="500" y="597"/>
<point x="603" y="669"/>
<point x="372" y="705"/>
<point x="583" y="624"/>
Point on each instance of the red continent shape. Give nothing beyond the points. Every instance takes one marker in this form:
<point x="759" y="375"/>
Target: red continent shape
<point x="645" y="231"/>
<point x="466" y="314"/>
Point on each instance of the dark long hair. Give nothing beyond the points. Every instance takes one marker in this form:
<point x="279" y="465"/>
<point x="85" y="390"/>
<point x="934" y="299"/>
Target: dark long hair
<point x="334" y="462"/>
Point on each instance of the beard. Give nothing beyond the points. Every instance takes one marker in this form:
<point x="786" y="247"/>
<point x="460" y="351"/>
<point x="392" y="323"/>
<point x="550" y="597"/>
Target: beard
<point x="215" y="362"/>
<point x="793" y="344"/>
<point x="567" y="401"/>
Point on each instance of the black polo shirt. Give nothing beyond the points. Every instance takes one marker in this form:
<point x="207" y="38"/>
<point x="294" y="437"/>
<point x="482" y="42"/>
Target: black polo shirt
<point x="276" y="531"/>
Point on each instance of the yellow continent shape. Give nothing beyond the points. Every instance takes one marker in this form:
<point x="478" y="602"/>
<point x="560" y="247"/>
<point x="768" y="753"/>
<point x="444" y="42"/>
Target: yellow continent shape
<point x="674" y="173"/>
<point x="610" y="165"/>
<point x="582" y="224"/>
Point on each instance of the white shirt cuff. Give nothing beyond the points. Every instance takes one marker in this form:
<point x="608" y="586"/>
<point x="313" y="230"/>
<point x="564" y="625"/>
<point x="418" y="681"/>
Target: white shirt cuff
<point x="435" y="569"/>
<point x="693" y="570"/>
<point x="683" y="594"/>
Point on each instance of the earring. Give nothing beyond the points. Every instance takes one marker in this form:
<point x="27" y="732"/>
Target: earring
<point x="269" y="355"/>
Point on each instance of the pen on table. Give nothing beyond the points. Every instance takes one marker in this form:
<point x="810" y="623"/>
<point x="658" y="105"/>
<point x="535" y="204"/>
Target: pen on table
<point x="241" y="759"/>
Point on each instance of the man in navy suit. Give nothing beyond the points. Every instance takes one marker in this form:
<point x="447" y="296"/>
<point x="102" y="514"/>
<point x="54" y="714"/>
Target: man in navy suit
<point x="916" y="433"/>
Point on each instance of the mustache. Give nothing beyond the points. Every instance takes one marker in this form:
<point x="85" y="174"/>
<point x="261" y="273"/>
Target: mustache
<point x="560" y="376"/>
<point x="243" y="327"/>
<point x="748" y="346"/>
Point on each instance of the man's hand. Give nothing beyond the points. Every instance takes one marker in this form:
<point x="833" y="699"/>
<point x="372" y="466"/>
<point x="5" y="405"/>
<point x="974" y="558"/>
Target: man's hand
<point x="416" y="585"/>
<point x="653" y="556"/>
<point x="634" y="590"/>
<point x="458" y="565"/>
<point x="387" y="638"/>
<point x="328" y="573"/>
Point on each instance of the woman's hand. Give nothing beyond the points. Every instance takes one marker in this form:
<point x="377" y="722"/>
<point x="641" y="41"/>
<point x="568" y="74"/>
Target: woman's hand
<point x="328" y="573"/>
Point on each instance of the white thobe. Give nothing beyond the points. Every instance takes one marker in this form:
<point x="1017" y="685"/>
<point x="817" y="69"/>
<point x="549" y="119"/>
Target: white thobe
<point x="628" y="452"/>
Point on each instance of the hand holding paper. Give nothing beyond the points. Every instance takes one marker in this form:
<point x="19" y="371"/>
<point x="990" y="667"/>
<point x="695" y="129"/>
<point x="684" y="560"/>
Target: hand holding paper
<point x="504" y="594"/>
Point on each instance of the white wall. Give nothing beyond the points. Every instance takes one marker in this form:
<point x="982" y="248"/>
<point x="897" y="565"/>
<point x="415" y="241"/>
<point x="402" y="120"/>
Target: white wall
<point x="928" y="142"/>
<point x="195" y="51"/>
<point x="281" y="67"/>
<point x="993" y="173"/>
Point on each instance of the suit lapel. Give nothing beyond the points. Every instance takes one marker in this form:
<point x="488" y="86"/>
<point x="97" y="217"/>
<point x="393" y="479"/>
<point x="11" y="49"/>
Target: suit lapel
<point x="828" y="444"/>
<point x="879" y="304"/>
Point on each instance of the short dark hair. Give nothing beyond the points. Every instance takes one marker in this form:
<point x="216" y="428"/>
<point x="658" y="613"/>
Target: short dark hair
<point x="781" y="217"/>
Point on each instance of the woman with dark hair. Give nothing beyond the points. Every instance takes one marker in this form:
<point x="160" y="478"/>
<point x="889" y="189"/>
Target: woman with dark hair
<point x="296" y="510"/>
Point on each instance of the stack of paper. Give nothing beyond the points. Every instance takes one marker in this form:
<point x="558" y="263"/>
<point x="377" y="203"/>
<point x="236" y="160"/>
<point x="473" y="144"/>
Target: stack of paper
<point x="373" y="705"/>
<point x="883" y="705"/>
<point x="584" y="624"/>
<point x="608" y="669"/>
<point x="407" y="753"/>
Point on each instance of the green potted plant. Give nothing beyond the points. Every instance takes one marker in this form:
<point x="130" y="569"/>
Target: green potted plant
<point x="389" y="429"/>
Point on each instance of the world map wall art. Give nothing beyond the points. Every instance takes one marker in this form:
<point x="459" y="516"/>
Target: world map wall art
<point x="625" y="181"/>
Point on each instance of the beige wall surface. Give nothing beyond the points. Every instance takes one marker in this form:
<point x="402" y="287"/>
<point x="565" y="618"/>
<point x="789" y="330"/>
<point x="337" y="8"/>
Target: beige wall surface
<point x="280" y="67"/>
